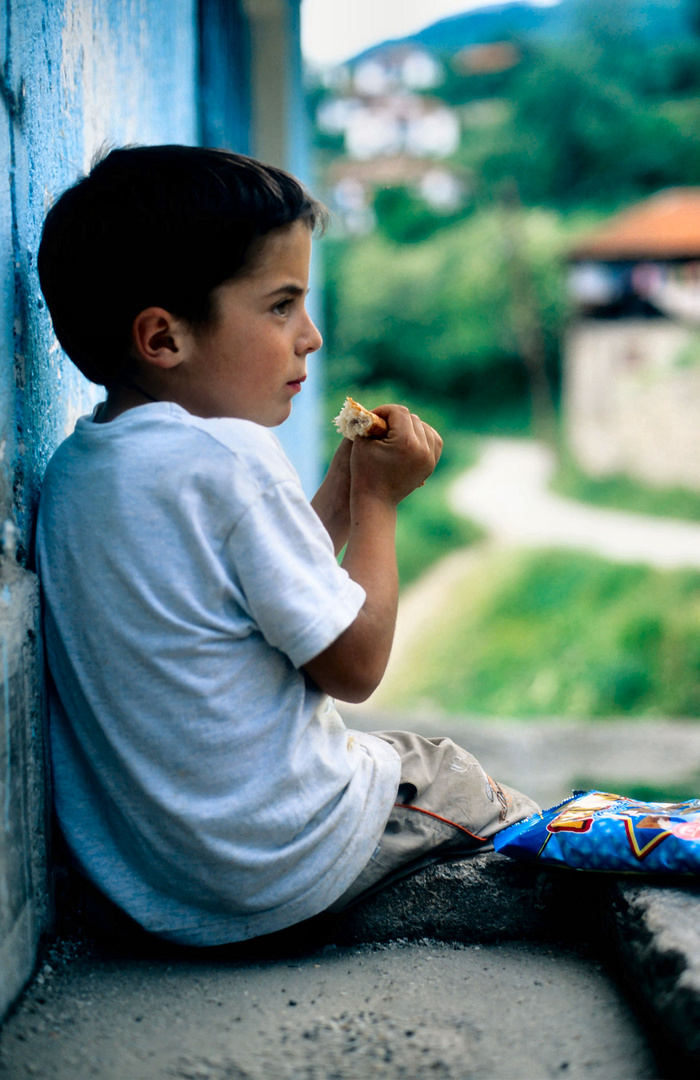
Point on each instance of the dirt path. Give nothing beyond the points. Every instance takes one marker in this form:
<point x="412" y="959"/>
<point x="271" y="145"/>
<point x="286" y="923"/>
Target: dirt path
<point x="507" y="493"/>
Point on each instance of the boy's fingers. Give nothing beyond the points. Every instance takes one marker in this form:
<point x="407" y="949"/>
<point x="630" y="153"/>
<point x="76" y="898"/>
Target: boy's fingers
<point x="436" y="443"/>
<point x="404" y="424"/>
<point x="397" y="416"/>
<point x="427" y="436"/>
<point x="400" y="419"/>
<point x="342" y="453"/>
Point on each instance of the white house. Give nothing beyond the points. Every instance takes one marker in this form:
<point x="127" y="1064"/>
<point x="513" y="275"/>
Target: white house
<point x="632" y="352"/>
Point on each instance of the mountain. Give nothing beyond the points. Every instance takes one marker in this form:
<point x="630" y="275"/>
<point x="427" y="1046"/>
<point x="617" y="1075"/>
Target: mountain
<point x="663" y="20"/>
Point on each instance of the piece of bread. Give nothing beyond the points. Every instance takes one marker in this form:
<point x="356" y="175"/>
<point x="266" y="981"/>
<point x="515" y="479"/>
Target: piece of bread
<point x="354" y="420"/>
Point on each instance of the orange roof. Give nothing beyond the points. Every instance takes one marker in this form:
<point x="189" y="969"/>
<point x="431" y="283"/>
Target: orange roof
<point x="666" y="226"/>
<point x="487" y="59"/>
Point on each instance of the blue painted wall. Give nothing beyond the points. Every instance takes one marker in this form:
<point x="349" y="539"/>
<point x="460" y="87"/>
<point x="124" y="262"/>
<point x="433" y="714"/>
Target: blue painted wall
<point x="76" y="75"/>
<point x="303" y="434"/>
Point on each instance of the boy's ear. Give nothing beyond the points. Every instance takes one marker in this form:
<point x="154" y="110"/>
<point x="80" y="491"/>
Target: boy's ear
<point x="159" y="338"/>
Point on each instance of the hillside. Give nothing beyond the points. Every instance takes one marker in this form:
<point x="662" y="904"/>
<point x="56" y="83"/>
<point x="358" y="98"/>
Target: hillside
<point x="660" y="20"/>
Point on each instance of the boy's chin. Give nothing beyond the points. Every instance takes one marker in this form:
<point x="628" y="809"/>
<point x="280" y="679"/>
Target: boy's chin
<point x="271" y="422"/>
<point x="284" y="414"/>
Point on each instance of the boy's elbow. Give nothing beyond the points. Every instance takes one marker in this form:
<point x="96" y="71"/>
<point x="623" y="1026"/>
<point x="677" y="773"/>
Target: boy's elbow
<point x="352" y="667"/>
<point x="351" y="683"/>
<point x="354" y="691"/>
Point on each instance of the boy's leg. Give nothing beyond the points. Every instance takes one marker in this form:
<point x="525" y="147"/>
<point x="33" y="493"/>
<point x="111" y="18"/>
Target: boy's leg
<point x="446" y="806"/>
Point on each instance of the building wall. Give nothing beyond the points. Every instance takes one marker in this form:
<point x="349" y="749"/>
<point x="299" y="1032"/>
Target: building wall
<point x="632" y="397"/>
<point x="76" y="75"/>
<point x="279" y="135"/>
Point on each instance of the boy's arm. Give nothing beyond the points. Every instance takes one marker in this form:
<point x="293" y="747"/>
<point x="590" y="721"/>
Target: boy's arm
<point x="382" y="473"/>
<point x="332" y="500"/>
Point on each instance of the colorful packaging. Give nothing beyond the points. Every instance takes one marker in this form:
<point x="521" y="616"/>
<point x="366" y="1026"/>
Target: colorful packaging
<point x="594" y="830"/>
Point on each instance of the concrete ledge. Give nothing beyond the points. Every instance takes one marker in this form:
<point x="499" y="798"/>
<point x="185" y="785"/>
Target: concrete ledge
<point x="655" y="929"/>
<point x="483" y="898"/>
<point x="648" y="932"/>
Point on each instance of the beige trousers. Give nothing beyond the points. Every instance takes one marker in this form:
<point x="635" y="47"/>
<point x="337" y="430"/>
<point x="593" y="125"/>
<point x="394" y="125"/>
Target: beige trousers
<point x="446" y="806"/>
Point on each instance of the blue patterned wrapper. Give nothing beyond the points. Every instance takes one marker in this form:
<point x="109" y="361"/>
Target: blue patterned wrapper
<point x="596" y="830"/>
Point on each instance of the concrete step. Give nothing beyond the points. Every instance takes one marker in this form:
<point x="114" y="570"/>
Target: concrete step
<point x="478" y="968"/>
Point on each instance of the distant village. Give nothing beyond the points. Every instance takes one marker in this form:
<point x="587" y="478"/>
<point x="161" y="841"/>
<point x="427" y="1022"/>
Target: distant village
<point x="395" y="132"/>
<point x="631" y="355"/>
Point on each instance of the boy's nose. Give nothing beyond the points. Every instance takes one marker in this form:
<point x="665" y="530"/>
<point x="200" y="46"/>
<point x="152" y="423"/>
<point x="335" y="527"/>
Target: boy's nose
<point x="311" y="340"/>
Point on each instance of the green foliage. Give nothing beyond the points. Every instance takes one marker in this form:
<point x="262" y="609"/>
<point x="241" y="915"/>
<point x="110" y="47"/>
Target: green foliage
<point x="560" y="634"/>
<point x="427" y="529"/>
<point x="586" y="127"/>
<point x="405" y="218"/>
<point x="435" y="317"/>
<point x="428" y="315"/>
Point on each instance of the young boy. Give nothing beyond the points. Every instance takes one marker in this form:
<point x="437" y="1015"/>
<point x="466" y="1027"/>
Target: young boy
<point x="197" y="623"/>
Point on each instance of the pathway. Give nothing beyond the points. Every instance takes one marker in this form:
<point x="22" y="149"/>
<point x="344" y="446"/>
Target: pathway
<point x="506" y="493"/>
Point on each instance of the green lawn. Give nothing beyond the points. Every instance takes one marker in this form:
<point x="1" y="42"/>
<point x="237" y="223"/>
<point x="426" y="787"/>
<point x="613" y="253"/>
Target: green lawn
<point x="427" y="530"/>
<point x="623" y="493"/>
<point x="558" y="634"/>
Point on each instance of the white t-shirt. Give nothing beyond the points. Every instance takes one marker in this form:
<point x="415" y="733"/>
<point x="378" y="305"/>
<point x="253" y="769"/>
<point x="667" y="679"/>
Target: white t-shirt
<point x="202" y="781"/>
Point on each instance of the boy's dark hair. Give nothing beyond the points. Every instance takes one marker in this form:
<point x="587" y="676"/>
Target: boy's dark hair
<point x="155" y="226"/>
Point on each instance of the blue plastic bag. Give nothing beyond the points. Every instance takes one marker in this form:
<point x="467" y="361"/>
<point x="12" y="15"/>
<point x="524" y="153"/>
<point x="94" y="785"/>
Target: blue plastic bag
<point x="596" y="830"/>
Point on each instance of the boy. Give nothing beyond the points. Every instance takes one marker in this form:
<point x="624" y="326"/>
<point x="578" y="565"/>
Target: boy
<point x="197" y="623"/>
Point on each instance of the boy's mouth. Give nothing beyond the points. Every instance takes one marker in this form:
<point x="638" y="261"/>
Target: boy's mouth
<point x="295" y="384"/>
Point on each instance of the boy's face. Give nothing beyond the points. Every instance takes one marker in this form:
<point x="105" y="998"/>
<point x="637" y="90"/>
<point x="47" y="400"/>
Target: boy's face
<point x="251" y="361"/>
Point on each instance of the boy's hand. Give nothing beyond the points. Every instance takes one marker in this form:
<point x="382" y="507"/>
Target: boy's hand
<point x="391" y="468"/>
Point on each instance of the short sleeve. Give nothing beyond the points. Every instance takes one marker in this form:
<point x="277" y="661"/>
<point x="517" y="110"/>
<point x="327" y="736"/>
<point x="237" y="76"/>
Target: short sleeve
<point x="295" y="591"/>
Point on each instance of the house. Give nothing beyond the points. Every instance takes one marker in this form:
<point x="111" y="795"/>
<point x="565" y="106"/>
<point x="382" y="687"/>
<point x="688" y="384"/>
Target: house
<point x="77" y="74"/>
<point x="632" y="352"/>
<point x="391" y="127"/>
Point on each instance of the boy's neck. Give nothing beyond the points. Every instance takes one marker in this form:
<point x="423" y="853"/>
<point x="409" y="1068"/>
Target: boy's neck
<point x="122" y="397"/>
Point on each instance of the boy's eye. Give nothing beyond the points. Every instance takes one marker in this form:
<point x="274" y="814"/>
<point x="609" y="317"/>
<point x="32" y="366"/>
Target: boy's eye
<point x="282" y="307"/>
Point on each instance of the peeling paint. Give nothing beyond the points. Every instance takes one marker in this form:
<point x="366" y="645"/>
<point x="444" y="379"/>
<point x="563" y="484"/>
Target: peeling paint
<point x="8" y="729"/>
<point x="75" y="73"/>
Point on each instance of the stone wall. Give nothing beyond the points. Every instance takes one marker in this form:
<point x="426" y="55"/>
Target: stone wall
<point x="632" y="399"/>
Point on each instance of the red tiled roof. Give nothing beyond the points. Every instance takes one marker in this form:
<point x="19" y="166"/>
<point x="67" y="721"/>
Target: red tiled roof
<point x="487" y="59"/>
<point x="666" y="226"/>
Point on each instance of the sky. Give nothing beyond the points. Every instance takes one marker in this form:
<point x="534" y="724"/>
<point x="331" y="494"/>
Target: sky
<point x="335" y="30"/>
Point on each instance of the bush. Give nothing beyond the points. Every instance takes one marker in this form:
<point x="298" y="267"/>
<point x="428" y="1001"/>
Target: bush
<point x="436" y="318"/>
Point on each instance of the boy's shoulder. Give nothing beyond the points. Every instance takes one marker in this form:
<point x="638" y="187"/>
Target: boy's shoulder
<point x="163" y="440"/>
<point x="239" y="437"/>
<point x="167" y="423"/>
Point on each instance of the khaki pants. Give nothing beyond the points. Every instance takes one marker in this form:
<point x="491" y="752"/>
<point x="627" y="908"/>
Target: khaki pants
<point x="446" y="806"/>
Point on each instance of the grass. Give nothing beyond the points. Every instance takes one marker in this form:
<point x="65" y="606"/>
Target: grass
<point x="427" y="529"/>
<point x="622" y="493"/>
<point x="556" y="633"/>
